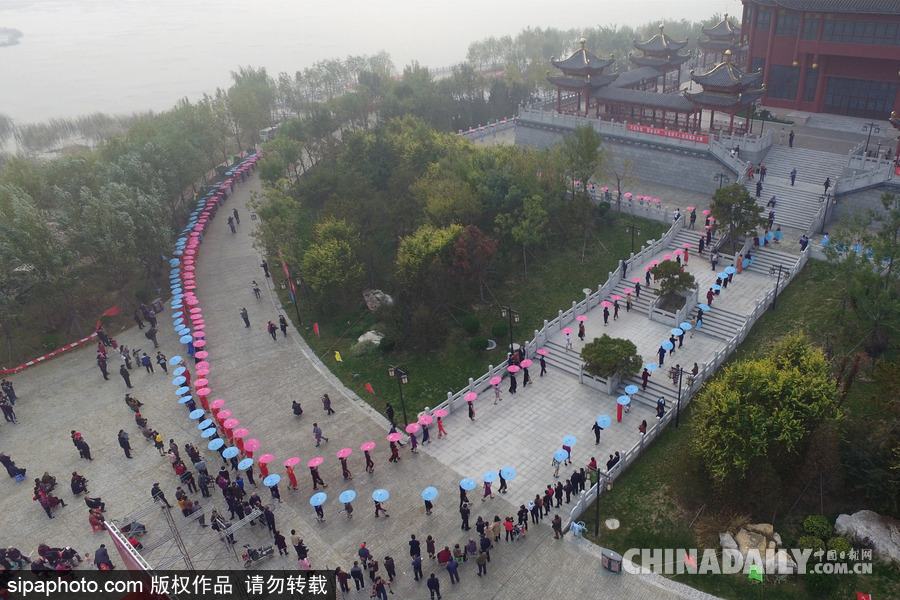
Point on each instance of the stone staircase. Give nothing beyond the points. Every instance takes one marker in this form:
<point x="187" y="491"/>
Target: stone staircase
<point x="797" y="205"/>
<point x="560" y="360"/>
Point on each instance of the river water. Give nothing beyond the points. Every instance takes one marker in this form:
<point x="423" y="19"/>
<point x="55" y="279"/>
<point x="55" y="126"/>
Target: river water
<point x="119" y="56"/>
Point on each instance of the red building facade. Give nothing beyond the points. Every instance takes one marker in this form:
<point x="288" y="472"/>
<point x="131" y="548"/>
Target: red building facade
<point x="832" y="56"/>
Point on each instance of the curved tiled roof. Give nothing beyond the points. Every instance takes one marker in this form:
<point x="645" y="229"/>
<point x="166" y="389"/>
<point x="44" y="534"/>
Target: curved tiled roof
<point x="629" y="78"/>
<point x="723" y="29"/>
<point x="674" y="102"/>
<point x="709" y="99"/>
<point x="582" y="61"/>
<point x="882" y="7"/>
<point x="583" y="83"/>
<point x="659" y="62"/>
<point x="719" y="45"/>
<point x="727" y="75"/>
<point x="660" y="44"/>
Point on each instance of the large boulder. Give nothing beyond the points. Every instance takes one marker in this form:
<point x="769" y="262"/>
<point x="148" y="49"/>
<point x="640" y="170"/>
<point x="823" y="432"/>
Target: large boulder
<point x="781" y="562"/>
<point x="871" y="530"/>
<point x="765" y="529"/>
<point x="376" y="298"/>
<point x="747" y="540"/>
<point x="726" y="540"/>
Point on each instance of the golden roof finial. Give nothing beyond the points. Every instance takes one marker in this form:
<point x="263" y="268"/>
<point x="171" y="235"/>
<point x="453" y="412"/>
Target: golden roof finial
<point x="728" y="56"/>
<point x="582" y="41"/>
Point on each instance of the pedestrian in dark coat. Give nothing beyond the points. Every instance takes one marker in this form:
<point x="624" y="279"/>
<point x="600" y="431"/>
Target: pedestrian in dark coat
<point x="123" y="441"/>
<point x="125" y="375"/>
<point x="282" y="323"/>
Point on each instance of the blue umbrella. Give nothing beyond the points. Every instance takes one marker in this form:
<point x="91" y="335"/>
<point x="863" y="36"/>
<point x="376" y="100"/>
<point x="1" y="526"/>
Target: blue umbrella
<point x="184" y="330"/>
<point x="182" y="390"/>
<point x="676" y="331"/>
<point x="175" y="360"/>
<point x="715" y="287"/>
<point x="177" y="314"/>
<point x="179" y="381"/>
<point x="273" y="479"/>
<point x="631" y="389"/>
<point x="184" y="399"/>
<point x="570" y="440"/>
<point x="722" y="275"/>
<point x="208" y="433"/>
<point x="624" y="400"/>
<point x="380" y="495"/>
<point x="196" y="414"/>
<point x="178" y="322"/>
<point x="489" y="476"/>
<point x="603" y="421"/>
<point x="651" y="366"/>
<point x="429" y="493"/>
<point x="686" y="326"/>
<point x="770" y="236"/>
<point x="179" y="371"/>
<point x="560" y="455"/>
<point x="703" y="307"/>
<point x="245" y="464"/>
<point x="508" y="473"/>
<point x="730" y="270"/>
<point x="175" y="271"/>
<point x="216" y="443"/>
<point x="667" y="345"/>
<point x="350" y="496"/>
<point x="204" y="424"/>
<point x="185" y="339"/>
<point x="468" y="484"/>
<point x="230" y="452"/>
<point x="176" y="304"/>
<point x="176" y="253"/>
<point x="177" y="294"/>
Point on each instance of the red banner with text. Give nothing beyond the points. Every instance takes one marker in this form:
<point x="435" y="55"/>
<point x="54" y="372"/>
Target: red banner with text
<point x="678" y="135"/>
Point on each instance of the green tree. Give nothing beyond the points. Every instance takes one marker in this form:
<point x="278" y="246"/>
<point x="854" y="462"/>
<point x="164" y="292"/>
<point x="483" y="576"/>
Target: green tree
<point x="606" y="357"/>
<point x="422" y="255"/>
<point x="330" y="265"/>
<point x="672" y="280"/>
<point x="528" y="226"/>
<point x="762" y="410"/>
<point x="250" y="102"/>
<point x="736" y="211"/>
<point x="473" y="252"/>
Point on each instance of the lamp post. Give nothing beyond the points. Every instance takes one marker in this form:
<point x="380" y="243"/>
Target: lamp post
<point x="513" y="316"/>
<point x="765" y="115"/>
<point x="632" y="229"/>
<point x="679" y="374"/>
<point x="829" y="200"/>
<point x="772" y="271"/>
<point x="284" y="285"/>
<point x="402" y="379"/>
<point x="870" y="127"/>
<point x="722" y="178"/>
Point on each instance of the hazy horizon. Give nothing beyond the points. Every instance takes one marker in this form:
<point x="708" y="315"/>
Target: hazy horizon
<point x="121" y="56"/>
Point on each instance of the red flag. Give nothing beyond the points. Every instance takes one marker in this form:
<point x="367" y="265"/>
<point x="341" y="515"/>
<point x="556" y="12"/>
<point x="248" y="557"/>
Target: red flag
<point x="316" y="328"/>
<point x="109" y="313"/>
<point x="369" y="387"/>
<point x="861" y="596"/>
<point x="688" y="559"/>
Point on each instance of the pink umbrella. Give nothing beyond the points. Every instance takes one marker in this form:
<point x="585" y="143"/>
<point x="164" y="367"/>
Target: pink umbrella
<point x="708" y="226"/>
<point x="678" y="252"/>
<point x="217" y="404"/>
<point x="192" y="301"/>
<point x="627" y="194"/>
<point x="686" y="245"/>
<point x="638" y="197"/>
<point x="425" y="419"/>
<point x="648" y="267"/>
<point x="188" y="267"/>
<point x="294" y="460"/>
<point x="689" y="207"/>
<point x="470" y="397"/>
<point x="197" y="317"/>
<point x="196" y="310"/>
<point x="615" y="297"/>
<point x="198" y="334"/>
<point x="201" y="355"/>
<point x="199" y="343"/>
<point x="627" y="291"/>
<point x="656" y="262"/>
<point x="711" y="219"/>
<point x="199" y="327"/>
<point x="201" y="383"/>
<point x="604" y="189"/>
<point x="581" y="318"/>
<point x="202" y="372"/>
<point x="567" y="330"/>
<point x="223" y="415"/>
<point x="202" y="365"/>
<point x="513" y="368"/>
<point x="266" y="458"/>
<point x="496" y="380"/>
<point x="413" y="428"/>
<point x="251" y="445"/>
<point x="606" y="304"/>
<point x="241" y="432"/>
<point x="315" y="462"/>
<point x="705" y="212"/>
<point x="526" y="363"/>
<point x="394" y="437"/>
<point x="667" y="257"/>
<point x="230" y="423"/>
<point x="542" y="352"/>
<point x="636" y="279"/>
<point x="344" y="452"/>
<point x="657" y="200"/>
<point x="440" y="413"/>
<point x="367" y="447"/>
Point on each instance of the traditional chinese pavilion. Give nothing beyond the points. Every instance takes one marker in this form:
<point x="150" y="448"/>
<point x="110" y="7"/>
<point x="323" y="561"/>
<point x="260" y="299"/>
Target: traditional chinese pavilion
<point x="720" y="38"/>
<point x="726" y="88"/>
<point x="582" y="73"/>
<point x="661" y="53"/>
<point x="833" y="56"/>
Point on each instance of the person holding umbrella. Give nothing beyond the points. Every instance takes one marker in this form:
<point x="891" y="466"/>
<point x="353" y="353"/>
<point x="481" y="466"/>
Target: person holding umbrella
<point x="317" y="479"/>
<point x="344" y="469"/>
<point x="370" y="465"/>
<point x="379" y="496"/>
<point x="428" y="494"/>
<point x="348" y="508"/>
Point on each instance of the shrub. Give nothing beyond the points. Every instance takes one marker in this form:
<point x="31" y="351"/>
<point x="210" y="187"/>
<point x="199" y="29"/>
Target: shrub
<point x="142" y="295"/>
<point x="479" y="343"/>
<point x="819" y="584"/>
<point x="817" y="526"/>
<point x="471" y="324"/>
<point x="363" y="348"/>
<point x="387" y="344"/>
<point x="840" y="545"/>
<point x="606" y="356"/>
<point x="811" y="542"/>
<point x="500" y="330"/>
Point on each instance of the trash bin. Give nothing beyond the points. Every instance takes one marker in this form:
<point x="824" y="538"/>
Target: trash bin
<point x="157" y="306"/>
<point x="610" y="560"/>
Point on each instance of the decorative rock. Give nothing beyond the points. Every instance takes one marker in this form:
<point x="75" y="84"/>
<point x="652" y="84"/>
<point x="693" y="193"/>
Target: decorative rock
<point x="747" y="540"/>
<point x="732" y="556"/>
<point x="727" y="541"/>
<point x="781" y="563"/>
<point x="771" y="545"/>
<point x="376" y="298"/>
<point x="762" y="528"/>
<point x="371" y="336"/>
<point x="871" y="530"/>
<point x="777" y="538"/>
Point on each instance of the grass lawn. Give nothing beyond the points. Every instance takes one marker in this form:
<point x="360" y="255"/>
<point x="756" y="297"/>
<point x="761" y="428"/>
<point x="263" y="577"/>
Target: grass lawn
<point x="556" y="277"/>
<point x="658" y="500"/>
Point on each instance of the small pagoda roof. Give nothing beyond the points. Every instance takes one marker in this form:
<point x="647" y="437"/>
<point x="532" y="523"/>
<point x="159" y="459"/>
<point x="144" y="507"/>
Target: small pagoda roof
<point x="659" y="62"/>
<point x="582" y="62"/>
<point x="726" y="75"/>
<point x="882" y="7"/>
<point x="673" y="102"/>
<point x="724" y="29"/>
<point x="583" y="83"/>
<point x="660" y="44"/>
<point x="719" y="100"/>
<point x="629" y="78"/>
